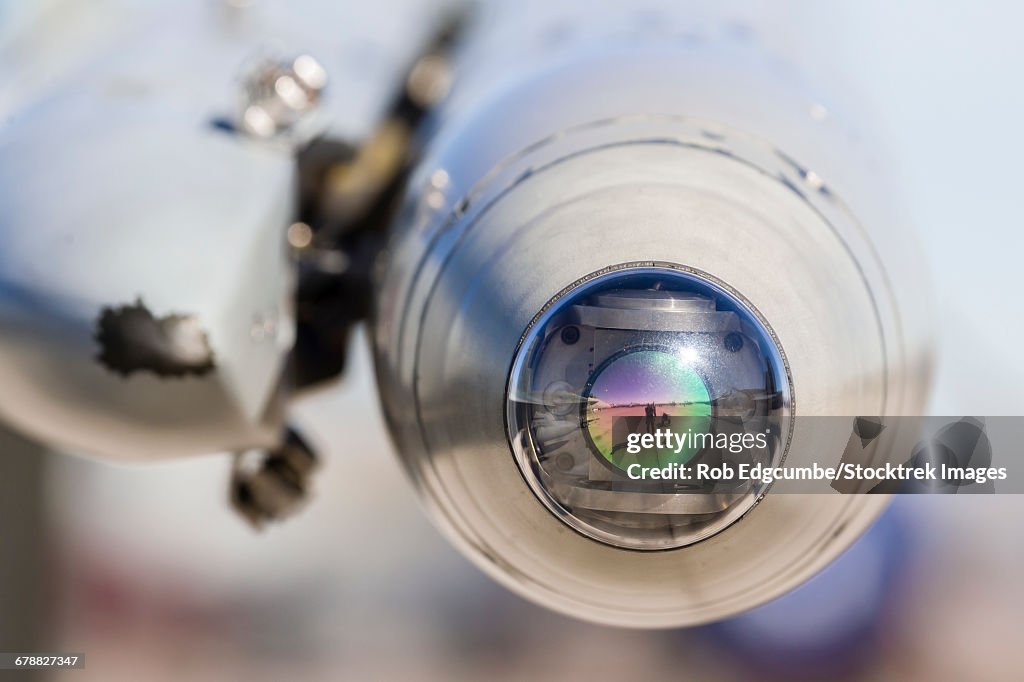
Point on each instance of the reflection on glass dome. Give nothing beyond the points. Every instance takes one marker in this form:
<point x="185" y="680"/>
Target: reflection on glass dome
<point x="637" y="355"/>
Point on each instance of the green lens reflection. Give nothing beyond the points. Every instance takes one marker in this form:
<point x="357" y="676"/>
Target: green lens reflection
<point x="643" y="391"/>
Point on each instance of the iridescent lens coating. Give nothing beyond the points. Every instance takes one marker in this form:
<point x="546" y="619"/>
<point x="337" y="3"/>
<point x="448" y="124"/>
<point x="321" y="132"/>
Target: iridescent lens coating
<point x="641" y="392"/>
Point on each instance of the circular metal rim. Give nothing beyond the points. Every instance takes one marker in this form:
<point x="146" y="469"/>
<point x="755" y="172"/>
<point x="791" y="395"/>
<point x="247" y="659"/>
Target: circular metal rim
<point x="846" y="519"/>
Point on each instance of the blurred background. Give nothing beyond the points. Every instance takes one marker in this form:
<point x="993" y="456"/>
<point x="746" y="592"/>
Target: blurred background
<point x="147" y="571"/>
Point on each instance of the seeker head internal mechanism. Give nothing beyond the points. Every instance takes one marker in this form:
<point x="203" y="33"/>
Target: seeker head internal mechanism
<point x="635" y="374"/>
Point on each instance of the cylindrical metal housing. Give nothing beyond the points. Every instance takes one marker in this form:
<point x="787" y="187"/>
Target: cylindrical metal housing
<point x="698" y="158"/>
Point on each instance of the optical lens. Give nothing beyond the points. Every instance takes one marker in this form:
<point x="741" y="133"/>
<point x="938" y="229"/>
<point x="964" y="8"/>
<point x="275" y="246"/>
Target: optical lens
<point x="629" y="383"/>
<point x="642" y="392"/>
